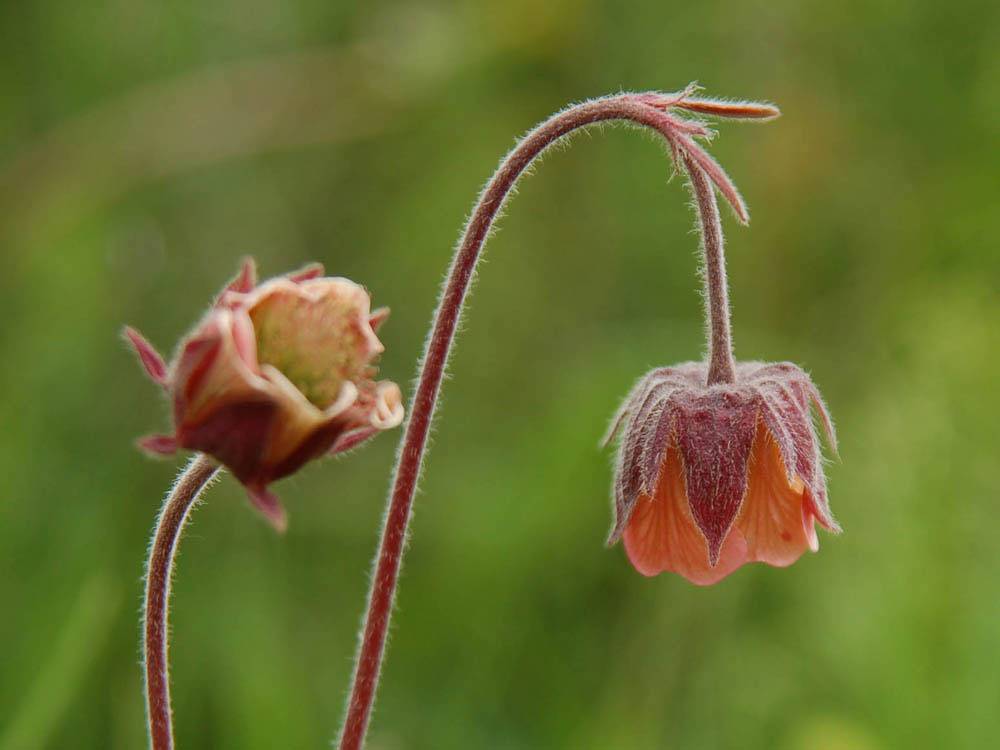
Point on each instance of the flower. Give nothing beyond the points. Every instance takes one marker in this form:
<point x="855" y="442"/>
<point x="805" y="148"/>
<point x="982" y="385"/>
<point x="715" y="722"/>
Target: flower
<point x="273" y="376"/>
<point x="710" y="477"/>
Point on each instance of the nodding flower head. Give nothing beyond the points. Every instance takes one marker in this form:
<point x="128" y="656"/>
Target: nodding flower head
<point x="710" y="477"/>
<point x="718" y="462"/>
<point x="273" y="376"/>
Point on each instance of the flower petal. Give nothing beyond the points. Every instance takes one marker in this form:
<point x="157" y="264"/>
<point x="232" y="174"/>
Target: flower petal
<point x="388" y="410"/>
<point x="304" y="432"/>
<point x="770" y="413"/>
<point x="786" y="390"/>
<point x="299" y="417"/>
<point x="215" y="367"/>
<point x="316" y="332"/>
<point x="244" y="340"/>
<point x="662" y="536"/>
<point x="809" y="523"/>
<point x="775" y="521"/>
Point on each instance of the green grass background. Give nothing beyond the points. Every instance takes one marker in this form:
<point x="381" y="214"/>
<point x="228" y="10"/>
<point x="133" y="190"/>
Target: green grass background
<point x="145" y="147"/>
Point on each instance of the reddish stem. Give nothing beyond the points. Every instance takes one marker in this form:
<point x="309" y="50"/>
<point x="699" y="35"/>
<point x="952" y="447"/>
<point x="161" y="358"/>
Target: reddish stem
<point x="627" y="107"/>
<point x="721" y="365"/>
<point x="159" y="569"/>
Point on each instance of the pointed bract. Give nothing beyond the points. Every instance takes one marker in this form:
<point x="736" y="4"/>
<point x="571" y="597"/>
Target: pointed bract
<point x="378" y="317"/>
<point x="269" y="506"/>
<point x="149" y="358"/>
<point x="714" y="432"/>
<point x="307" y="272"/>
<point x="243" y="282"/>
<point x="158" y="445"/>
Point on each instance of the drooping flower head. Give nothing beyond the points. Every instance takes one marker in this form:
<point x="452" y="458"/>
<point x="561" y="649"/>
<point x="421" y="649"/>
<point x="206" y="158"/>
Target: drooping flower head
<point x="718" y="462"/>
<point x="273" y="376"/>
<point x="710" y="477"/>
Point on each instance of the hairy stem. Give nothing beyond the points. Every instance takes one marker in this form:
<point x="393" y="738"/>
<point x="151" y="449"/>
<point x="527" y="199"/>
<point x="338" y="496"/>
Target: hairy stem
<point x="721" y="365"/>
<point x="634" y="108"/>
<point x="159" y="568"/>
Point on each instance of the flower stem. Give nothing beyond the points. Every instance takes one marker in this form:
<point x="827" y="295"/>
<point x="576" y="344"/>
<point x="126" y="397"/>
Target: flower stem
<point x="721" y="365"/>
<point x="636" y="108"/>
<point x="159" y="568"/>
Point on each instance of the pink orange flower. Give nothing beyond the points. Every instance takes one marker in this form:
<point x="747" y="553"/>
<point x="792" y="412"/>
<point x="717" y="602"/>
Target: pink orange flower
<point x="710" y="477"/>
<point x="273" y="376"/>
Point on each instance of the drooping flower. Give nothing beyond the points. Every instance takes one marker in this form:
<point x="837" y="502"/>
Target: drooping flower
<point x="273" y="376"/>
<point x="710" y="477"/>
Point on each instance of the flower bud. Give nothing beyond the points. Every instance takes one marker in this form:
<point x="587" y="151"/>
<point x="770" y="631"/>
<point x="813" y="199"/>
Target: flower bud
<point x="709" y="478"/>
<point x="273" y="376"/>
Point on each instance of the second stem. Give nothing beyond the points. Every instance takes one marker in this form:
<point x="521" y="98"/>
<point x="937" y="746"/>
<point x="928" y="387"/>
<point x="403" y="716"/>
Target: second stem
<point x="627" y="107"/>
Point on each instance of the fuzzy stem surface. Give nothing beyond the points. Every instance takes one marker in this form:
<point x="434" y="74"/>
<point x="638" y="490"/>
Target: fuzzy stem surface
<point x="721" y="364"/>
<point x="159" y="569"/>
<point x="626" y="107"/>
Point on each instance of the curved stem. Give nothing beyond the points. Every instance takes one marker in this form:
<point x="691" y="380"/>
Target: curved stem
<point x="646" y="110"/>
<point x="159" y="568"/>
<point x="721" y="365"/>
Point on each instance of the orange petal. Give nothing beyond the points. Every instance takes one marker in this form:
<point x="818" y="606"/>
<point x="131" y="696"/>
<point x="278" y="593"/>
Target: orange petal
<point x="776" y="522"/>
<point x="661" y="534"/>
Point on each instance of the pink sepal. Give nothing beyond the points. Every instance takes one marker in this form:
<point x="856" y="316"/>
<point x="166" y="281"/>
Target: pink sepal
<point x="150" y="359"/>
<point x="350" y="440"/>
<point x="378" y="317"/>
<point x="158" y="445"/>
<point x="244" y="282"/>
<point x="269" y="506"/>
<point x="311" y="271"/>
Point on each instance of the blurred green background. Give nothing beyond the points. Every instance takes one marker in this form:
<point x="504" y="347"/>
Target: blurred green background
<point x="144" y="148"/>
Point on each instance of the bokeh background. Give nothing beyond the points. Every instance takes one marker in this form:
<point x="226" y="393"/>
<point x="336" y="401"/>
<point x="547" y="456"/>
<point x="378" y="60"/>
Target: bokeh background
<point x="145" y="147"/>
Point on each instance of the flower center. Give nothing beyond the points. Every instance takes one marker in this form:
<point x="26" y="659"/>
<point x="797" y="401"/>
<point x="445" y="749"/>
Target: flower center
<point x="316" y="343"/>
